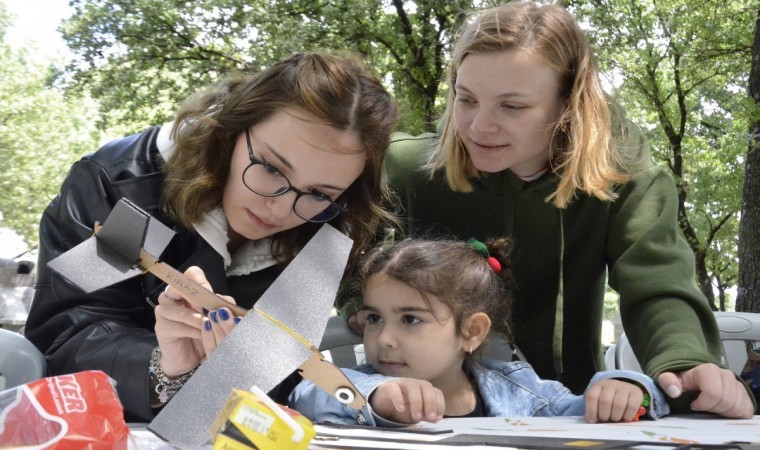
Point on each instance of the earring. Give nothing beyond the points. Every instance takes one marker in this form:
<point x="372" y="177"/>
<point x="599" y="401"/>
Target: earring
<point x="471" y="349"/>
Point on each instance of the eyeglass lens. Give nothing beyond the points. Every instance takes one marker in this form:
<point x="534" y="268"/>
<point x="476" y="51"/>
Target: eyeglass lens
<point x="270" y="183"/>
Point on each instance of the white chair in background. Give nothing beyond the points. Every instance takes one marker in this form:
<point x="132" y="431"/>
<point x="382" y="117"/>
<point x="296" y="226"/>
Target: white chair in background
<point x="609" y="357"/>
<point x="624" y="357"/>
<point x="739" y="332"/>
<point x="20" y="361"/>
<point x="339" y="342"/>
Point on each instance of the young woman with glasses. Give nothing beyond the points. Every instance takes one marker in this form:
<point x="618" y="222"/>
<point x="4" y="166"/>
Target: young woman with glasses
<point x="247" y="173"/>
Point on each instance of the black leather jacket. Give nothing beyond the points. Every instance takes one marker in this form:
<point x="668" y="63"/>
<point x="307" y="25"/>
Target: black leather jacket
<point x="112" y="329"/>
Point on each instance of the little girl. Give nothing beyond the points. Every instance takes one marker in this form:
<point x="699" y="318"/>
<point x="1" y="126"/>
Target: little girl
<point x="429" y="307"/>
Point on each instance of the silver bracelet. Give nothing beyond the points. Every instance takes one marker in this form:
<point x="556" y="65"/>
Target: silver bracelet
<point x="166" y="386"/>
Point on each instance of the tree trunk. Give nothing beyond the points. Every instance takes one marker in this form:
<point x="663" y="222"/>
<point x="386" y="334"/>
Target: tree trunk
<point x="749" y="230"/>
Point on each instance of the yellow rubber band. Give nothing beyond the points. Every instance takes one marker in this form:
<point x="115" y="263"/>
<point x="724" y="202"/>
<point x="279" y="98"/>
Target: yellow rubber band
<point x="288" y="329"/>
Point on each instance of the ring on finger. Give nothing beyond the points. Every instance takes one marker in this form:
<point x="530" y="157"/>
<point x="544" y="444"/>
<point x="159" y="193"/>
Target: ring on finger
<point x="170" y="298"/>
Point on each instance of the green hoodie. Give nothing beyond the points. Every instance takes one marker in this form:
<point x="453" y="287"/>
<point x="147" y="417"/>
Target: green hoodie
<point x="561" y="257"/>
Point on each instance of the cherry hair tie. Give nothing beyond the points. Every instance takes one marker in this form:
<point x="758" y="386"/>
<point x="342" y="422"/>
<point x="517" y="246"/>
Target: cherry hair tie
<point x="483" y="250"/>
<point x="494" y="263"/>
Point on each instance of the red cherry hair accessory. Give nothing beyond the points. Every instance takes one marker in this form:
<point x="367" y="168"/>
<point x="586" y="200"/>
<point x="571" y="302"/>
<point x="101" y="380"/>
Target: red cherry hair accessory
<point x="494" y="263"/>
<point x="483" y="250"/>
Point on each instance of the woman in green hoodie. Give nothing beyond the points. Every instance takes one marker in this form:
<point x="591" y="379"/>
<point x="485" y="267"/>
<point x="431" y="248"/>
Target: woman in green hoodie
<point x="531" y="148"/>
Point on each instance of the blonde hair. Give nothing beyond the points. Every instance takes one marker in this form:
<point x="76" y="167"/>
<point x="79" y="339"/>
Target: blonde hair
<point x="584" y="152"/>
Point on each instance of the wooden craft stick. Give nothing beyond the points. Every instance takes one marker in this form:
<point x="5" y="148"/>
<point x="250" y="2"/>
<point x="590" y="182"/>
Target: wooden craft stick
<point x="189" y="288"/>
<point x="323" y="374"/>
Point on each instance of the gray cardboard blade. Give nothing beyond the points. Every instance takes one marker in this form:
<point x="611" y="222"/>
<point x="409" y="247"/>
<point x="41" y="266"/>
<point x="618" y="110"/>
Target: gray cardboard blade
<point x="112" y="255"/>
<point x="258" y="352"/>
<point x="124" y="230"/>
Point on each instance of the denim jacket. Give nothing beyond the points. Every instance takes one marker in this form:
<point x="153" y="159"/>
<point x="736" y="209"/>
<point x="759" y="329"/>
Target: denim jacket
<point x="508" y="389"/>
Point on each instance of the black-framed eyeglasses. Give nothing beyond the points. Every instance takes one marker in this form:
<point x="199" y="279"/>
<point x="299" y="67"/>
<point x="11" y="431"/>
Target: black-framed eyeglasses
<point x="264" y="179"/>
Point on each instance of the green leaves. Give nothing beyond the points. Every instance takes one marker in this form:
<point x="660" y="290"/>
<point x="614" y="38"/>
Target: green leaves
<point x="42" y="131"/>
<point x="684" y="67"/>
<point x="143" y="57"/>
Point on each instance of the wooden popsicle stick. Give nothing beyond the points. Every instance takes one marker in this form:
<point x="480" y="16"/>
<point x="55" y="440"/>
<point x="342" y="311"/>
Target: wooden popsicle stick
<point x="189" y="288"/>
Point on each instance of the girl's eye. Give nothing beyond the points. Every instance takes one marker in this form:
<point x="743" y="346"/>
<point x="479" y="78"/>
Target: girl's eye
<point x="464" y="100"/>
<point x="512" y="107"/>
<point x="410" y="320"/>
<point x="373" y="318"/>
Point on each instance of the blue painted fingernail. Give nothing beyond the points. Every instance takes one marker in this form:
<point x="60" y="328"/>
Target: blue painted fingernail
<point x="213" y="316"/>
<point x="205" y="311"/>
<point x="224" y="314"/>
<point x="207" y="325"/>
<point x="237" y="320"/>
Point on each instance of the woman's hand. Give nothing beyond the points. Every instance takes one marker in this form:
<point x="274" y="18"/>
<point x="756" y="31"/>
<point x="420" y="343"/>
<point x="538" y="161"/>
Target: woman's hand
<point x="218" y="325"/>
<point x="612" y="401"/>
<point x="408" y="400"/>
<point x="719" y="390"/>
<point x="185" y="334"/>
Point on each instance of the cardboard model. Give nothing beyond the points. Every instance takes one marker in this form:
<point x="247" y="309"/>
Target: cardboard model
<point x="273" y="339"/>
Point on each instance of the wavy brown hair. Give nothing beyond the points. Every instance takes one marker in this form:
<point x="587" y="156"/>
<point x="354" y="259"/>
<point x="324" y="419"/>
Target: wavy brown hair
<point x="454" y="273"/>
<point x="585" y="151"/>
<point x="339" y="89"/>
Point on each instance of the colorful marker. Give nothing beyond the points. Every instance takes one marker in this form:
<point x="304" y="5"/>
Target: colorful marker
<point x="643" y="408"/>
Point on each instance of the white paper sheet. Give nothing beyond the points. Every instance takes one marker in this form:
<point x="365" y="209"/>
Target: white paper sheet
<point x="684" y="429"/>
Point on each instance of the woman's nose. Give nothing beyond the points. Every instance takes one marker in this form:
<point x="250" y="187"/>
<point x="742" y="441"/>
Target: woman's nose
<point x="483" y="121"/>
<point x="282" y="205"/>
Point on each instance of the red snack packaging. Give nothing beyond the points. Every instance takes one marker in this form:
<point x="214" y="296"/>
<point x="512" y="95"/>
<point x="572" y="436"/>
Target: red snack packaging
<point x="76" y="411"/>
